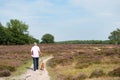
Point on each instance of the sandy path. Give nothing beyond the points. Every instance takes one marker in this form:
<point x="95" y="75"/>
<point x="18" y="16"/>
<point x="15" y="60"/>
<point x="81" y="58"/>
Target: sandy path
<point x="33" y="75"/>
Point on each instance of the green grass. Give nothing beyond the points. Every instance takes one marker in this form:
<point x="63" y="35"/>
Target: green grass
<point x="20" y="70"/>
<point x="52" y="73"/>
<point x="105" y="67"/>
<point x="105" y="78"/>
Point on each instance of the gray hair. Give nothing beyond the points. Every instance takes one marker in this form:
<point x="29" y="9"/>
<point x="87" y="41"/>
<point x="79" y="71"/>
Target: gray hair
<point x="35" y="43"/>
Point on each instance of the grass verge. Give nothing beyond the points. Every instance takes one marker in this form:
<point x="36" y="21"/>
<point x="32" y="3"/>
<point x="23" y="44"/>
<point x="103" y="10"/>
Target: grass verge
<point x="20" y="70"/>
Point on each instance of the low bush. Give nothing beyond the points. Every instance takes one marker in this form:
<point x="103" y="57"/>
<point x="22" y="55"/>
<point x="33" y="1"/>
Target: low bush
<point x="63" y="59"/>
<point x="64" y="77"/>
<point x="52" y="63"/>
<point x="115" y="72"/>
<point x="84" y="60"/>
<point x="110" y="52"/>
<point x="79" y="77"/>
<point x="10" y="68"/>
<point x="82" y="65"/>
<point x="72" y="77"/>
<point x="5" y="73"/>
<point x="97" y="73"/>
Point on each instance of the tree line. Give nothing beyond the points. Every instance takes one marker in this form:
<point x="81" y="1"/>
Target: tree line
<point x="113" y="38"/>
<point x="15" y="32"/>
<point x="85" y="42"/>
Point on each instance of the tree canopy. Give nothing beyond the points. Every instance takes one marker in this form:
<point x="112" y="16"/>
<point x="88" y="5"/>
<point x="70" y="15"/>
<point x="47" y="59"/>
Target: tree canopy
<point x="16" y="32"/>
<point x="47" y="38"/>
<point x="115" y="36"/>
<point x="17" y="26"/>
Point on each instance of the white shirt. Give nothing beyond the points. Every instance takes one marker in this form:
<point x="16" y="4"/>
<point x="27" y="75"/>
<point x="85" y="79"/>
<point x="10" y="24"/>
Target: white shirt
<point x="35" y="50"/>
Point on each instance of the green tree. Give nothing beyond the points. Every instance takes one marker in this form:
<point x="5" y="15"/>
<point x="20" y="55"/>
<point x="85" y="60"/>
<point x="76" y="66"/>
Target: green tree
<point x="47" y="38"/>
<point x="15" y="33"/>
<point x="17" y="26"/>
<point x="115" y="36"/>
<point x="5" y="35"/>
<point x="19" y="32"/>
<point x="2" y="34"/>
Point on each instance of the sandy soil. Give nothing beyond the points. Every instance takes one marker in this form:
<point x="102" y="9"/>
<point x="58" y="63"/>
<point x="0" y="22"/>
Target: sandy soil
<point x="33" y="75"/>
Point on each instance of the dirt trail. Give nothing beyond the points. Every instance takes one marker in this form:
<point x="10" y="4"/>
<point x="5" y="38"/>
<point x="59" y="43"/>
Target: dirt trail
<point x="33" y="75"/>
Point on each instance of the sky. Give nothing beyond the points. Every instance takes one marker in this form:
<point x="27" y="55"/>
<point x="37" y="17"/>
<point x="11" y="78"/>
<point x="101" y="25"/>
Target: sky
<point x="64" y="19"/>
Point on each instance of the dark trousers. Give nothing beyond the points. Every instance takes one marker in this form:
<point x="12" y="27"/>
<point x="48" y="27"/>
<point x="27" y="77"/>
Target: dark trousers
<point x="35" y="63"/>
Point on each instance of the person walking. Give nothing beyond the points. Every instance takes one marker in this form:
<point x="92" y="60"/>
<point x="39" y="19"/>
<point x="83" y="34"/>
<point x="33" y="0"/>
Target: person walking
<point x="35" y="53"/>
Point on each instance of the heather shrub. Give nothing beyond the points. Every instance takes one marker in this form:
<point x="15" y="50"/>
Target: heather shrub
<point x="52" y="63"/>
<point x="84" y="60"/>
<point x="72" y="77"/>
<point x="97" y="73"/>
<point x="64" y="77"/>
<point x="111" y="52"/>
<point x="117" y="51"/>
<point x="79" y="77"/>
<point x="86" y="57"/>
<point x="5" y="73"/>
<point x="115" y="72"/>
<point x="61" y="59"/>
<point x="82" y="65"/>
<point x="1" y="67"/>
<point x="11" y="68"/>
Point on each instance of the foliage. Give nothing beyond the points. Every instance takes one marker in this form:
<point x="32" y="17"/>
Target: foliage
<point x="70" y="77"/>
<point x="47" y="38"/>
<point x="64" y="59"/>
<point x="15" y="33"/>
<point x="81" y="66"/>
<point x="84" y="42"/>
<point x="17" y="27"/>
<point x="11" y="57"/>
<point x="115" y="36"/>
<point x="115" y="72"/>
<point x="79" y="77"/>
<point x="10" y="68"/>
<point x="5" y="35"/>
<point x="74" y="59"/>
<point x="97" y="73"/>
<point x="5" y="73"/>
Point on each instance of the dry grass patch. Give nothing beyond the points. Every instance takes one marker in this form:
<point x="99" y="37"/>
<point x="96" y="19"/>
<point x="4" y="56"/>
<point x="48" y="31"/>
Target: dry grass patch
<point x="85" y="60"/>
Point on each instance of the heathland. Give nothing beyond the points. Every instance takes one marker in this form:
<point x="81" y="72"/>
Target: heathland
<point x="69" y="62"/>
